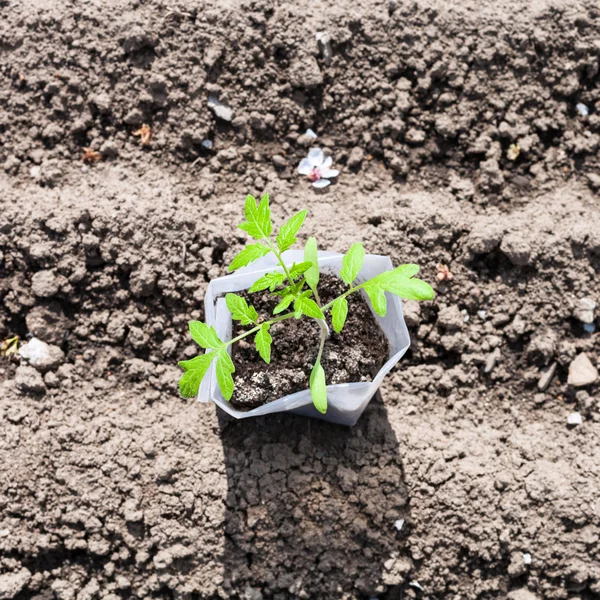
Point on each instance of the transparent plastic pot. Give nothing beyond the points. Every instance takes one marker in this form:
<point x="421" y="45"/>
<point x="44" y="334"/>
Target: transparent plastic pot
<point x="346" y="401"/>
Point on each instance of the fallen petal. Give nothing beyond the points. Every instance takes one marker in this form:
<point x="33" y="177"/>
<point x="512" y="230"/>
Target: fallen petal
<point x="321" y="183"/>
<point x="316" y="157"/>
<point x="311" y="134"/>
<point x="327" y="162"/>
<point x="305" y="167"/>
<point x="329" y="173"/>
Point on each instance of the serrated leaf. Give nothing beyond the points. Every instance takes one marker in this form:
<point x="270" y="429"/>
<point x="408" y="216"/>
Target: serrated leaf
<point x="270" y="280"/>
<point x="204" y="335"/>
<point x="195" y="370"/>
<point x="352" y="263"/>
<point x="318" y="388"/>
<point x="377" y="297"/>
<point x="240" y="310"/>
<point x="263" y="341"/>
<point x="311" y="255"/>
<point x="409" y="289"/>
<point x="287" y="234"/>
<point x="339" y="311"/>
<point x="249" y="254"/>
<point x="224" y="370"/>
<point x="408" y="270"/>
<point x="308" y="307"/>
<point x="283" y="304"/>
<point x="298" y="269"/>
<point x="258" y="223"/>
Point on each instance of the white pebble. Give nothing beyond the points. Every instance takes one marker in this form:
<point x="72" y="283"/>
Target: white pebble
<point x="311" y="134"/>
<point x="574" y="419"/>
<point x="465" y="314"/>
<point x="481" y="314"/>
<point x="589" y="327"/>
<point x="582" y="109"/>
<point x="399" y="524"/>
<point x="527" y="558"/>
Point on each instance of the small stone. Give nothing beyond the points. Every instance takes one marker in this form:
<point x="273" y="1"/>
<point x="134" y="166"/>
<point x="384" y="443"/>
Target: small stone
<point x="481" y="314"/>
<point x="574" y="419"/>
<point x="324" y="46"/>
<point x="221" y="111"/>
<point x="582" y="109"/>
<point x="42" y="356"/>
<point x="208" y="144"/>
<point x="517" y="249"/>
<point x="491" y="361"/>
<point x="546" y="378"/>
<point x="45" y="284"/>
<point x="29" y="380"/>
<point x="279" y="162"/>
<point x="582" y="371"/>
<point x="356" y="157"/>
<point x="589" y="327"/>
<point x="13" y="583"/>
<point x="584" y="310"/>
<point x="527" y="558"/>
<point x="399" y="524"/>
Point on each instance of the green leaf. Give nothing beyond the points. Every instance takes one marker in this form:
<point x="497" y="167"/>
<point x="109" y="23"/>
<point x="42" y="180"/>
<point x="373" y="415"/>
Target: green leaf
<point x="408" y="270"/>
<point x="224" y="370"/>
<point x="287" y="234"/>
<point x="270" y="280"/>
<point x="204" y="335"/>
<point x="352" y="263"/>
<point x="249" y="254"/>
<point x="409" y="289"/>
<point x="258" y="223"/>
<point x="339" y="311"/>
<point x="311" y="255"/>
<point x="318" y="388"/>
<point x="377" y="296"/>
<point x="298" y="269"/>
<point x="285" y="302"/>
<point x="195" y="370"/>
<point x="239" y="309"/>
<point x="263" y="341"/>
<point x="309" y="308"/>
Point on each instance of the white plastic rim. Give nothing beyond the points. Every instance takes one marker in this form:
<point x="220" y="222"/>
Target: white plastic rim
<point x="345" y="401"/>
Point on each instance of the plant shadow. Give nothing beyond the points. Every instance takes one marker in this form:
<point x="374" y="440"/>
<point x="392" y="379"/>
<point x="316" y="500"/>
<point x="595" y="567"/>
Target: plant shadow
<point x="312" y="507"/>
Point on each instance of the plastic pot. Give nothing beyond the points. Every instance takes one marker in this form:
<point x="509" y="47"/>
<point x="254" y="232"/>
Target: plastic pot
<point x="345" y="402"/>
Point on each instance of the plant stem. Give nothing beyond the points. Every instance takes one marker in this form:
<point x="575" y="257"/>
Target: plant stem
<point x="255" y="329"/>
<point x="350" y="291"/>
<point x="324" y="336"/>
<point x="278" y="255"/>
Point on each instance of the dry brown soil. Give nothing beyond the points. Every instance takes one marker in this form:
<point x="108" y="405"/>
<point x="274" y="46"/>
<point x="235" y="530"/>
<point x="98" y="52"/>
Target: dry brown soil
<point x="111" y="486"/>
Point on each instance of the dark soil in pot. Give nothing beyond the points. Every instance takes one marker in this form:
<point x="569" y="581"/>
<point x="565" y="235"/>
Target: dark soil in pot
<point x="355" y="354"/>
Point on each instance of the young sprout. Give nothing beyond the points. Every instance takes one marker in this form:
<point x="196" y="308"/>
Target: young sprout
<point x="317" y="168"/>
<point x="296" y="289"/>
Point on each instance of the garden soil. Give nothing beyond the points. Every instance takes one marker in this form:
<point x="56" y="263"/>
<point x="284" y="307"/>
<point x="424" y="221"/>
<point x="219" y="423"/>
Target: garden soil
<point x="354" y="354"/>
<point x="466" y="134"/>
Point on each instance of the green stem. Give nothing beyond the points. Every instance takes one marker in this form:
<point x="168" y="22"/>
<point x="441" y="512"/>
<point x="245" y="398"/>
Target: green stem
<point x="255" y="329"/>
<point x="324" y="334"/>
<point x="278" y="255"/>
<point x="350" y="291"/>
